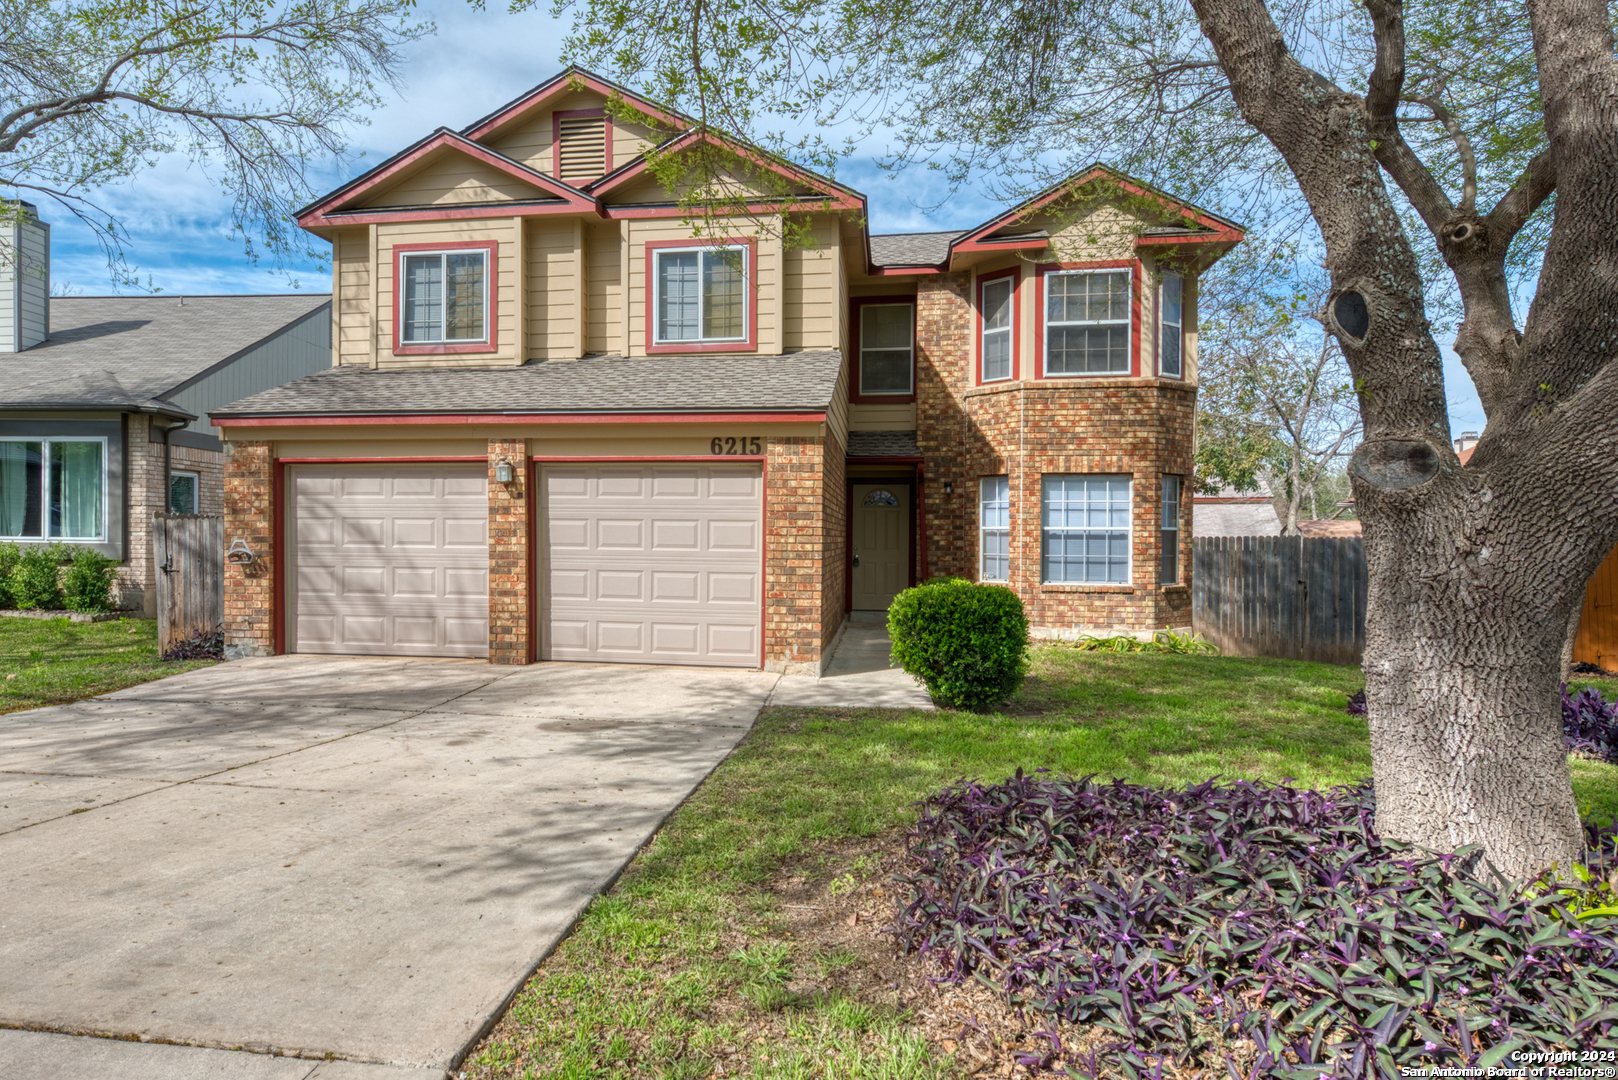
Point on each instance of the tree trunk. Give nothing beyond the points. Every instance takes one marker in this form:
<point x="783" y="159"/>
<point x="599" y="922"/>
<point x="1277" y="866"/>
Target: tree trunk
<point x="1462" y="697"/>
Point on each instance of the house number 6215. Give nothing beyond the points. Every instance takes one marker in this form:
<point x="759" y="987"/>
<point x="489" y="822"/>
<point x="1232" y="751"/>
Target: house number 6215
<point x="739" y="445"/>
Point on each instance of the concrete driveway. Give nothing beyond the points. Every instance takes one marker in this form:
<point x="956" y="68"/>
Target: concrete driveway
<point x="352" y="858"/>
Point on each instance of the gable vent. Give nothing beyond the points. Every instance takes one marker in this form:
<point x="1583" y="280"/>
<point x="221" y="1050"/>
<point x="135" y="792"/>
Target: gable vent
<point x="581" y="147"/>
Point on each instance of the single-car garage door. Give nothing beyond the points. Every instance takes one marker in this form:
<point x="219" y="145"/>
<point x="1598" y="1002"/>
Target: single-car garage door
<point x="653" y="564"/>
<point x="388" y="560"/>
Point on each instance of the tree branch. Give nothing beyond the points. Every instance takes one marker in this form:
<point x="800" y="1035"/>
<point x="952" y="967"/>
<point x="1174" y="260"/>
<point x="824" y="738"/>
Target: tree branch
<point x="1463" y="147"/>
<point x="1383" y="91"/>
<point x="1528" y="194"/>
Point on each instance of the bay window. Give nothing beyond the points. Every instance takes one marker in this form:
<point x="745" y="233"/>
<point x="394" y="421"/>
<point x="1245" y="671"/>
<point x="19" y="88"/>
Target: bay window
<point x="1171" y="530"/>
<point x="994" y="529"/>
<point x="445" y="297"/>
<point x="1171" y="328"/>
<point x="701" y="294"/>
<point x="1087" y="322"/>
<point x="1084" y="529"/>
<point x="53" y="489"/>
<point x="996" y="308"/>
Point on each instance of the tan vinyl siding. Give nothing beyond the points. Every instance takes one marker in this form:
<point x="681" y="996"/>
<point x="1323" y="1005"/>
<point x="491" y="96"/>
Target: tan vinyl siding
<point x="351" y="284"/>
<point x="837" y="413"/>
<point x="766" y="276"/>
<point x="530" y="140"/>
<point x="628" y="140"/>
<point x="1094" y="231"/>
<point x="453" y="178"/>
<point x="813" y="290"/>
<point x="552" y="282"/>
<point x="504" y="288"/>
<point x="605" y="298"/>
<point x="882" y="417"/>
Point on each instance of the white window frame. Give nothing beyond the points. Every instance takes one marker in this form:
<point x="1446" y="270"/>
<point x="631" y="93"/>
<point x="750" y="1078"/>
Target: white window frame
<point x="443" y="284"/>
<point x="1164" y="326"/>
<point x="196" y="482"/>
<point x="1046" y="530"/>
<point x="1128" y="323"/>
<point x="910" y="389"/>
<point x="657" y="294"/>
<point x="985" y="530"/>
<point x="45" y="442"/>
<point x="1169" y="531"/>
<point x="1009" y="330"/>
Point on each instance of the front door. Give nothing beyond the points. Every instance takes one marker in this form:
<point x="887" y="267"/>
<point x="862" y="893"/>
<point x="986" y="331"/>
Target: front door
<point x="881" y="544"/>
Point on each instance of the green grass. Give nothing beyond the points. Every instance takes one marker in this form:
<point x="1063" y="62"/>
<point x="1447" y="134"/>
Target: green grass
<point x="687" y="957"/>
<point x="57" y="661"/>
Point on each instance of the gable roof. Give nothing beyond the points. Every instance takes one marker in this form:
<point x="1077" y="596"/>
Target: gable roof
<point x="926" y="249"/>
<point x="128" y="352"/>
<point x="334" y="207"/>
<point x="842" y="196"/>
<point x="574" y="78"/>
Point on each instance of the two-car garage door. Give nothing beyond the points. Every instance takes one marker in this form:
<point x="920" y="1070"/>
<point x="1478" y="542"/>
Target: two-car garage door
<point x="638" y="563"/>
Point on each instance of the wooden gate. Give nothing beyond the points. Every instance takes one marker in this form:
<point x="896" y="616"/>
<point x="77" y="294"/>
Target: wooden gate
<point x="1597" y="642"/>
<point x="1300" y="598"/>
<point x="189" y="552"/>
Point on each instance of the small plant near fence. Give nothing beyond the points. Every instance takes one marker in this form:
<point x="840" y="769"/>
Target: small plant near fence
<point x="1163" y="641"/>
<point x="1258" y="929"/>
<point x="55" y="577"/>
<point x="201" y="645"/>
<point x="36" y="577"/>
<point x="87" y="581"/>
<point x="966" y="642"/>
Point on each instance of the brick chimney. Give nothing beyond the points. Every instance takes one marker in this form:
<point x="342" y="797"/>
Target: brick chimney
<point x="25" y="277"/>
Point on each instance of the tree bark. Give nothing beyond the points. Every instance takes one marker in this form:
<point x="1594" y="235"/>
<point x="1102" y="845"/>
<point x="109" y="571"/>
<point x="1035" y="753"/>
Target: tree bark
<point x="1473" y="572"/>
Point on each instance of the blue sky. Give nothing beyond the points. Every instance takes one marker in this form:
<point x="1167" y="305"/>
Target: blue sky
<point x="179" y="223"/>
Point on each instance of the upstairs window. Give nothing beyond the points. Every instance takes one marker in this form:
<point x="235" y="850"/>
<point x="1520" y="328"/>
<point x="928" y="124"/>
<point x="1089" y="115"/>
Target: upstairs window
<point x="1171" y="328"/>
<point x="887" y="349"/>
<point x="53" y="489"/>
<point x="996" y="307"/>
<point x="1087" y="322"/>
<point x="701" y="294"/>
<point x="446" y="297"/>
<point x="581" y="145"/>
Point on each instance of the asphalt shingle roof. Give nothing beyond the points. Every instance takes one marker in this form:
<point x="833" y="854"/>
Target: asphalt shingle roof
<point x="912" y="249"/>
<point x="796" y="382"/>
<point x="888" y="444"/>
<point x="128" y="350"/>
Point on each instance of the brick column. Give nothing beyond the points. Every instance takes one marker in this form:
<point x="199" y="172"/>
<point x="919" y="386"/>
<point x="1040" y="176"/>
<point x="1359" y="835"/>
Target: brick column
<point x="250" y="587"/>
<point x="944" y="370"/>
<point x="509" y="585"/>
<point x="794" y="565"/>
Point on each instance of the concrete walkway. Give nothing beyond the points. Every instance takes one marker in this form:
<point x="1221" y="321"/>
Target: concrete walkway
<point x="859" y="675"/>
<point x="313" y="856"/>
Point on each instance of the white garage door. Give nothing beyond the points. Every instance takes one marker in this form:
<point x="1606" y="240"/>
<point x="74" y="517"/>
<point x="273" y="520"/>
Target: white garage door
<point x="653" y="564"/>
<point x="388" y="560"/>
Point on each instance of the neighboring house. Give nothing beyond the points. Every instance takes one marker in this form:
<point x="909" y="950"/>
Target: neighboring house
<point x="1237" y="513"/>
<point x="559" y="426"/>
<point x="100" y="390"/>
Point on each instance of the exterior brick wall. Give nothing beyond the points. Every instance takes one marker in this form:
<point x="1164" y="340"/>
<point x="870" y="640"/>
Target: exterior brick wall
<point x="795" y="553"/>
<point x="147" y="494"/>
<point x="250" y="587"/>
<point x="834" y="542"/>
<point x="1024" y="430"/>
<point x="508" y="555"/>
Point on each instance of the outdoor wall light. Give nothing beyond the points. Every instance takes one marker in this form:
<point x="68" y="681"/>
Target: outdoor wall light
<point x="503" y="472"/>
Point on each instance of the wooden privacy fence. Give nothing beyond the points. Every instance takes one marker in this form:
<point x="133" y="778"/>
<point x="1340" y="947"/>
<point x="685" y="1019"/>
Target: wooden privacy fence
<point x="1597" y="642"/>
<point x="1298" y="598"/>
<point x="189" y="550"/>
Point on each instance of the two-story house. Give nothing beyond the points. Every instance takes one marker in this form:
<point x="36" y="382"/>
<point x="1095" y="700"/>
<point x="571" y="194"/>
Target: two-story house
<point x="564" y="423"/>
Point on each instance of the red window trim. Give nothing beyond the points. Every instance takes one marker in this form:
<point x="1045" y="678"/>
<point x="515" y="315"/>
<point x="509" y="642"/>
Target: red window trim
<point x="556" y="140"/>
<point x="856" y="306"/>
<point x="1015" y="274"/>
<point x="491" y="250"/>
<point x="1158" y="351"/>
<point x="750" y="297"/>
<point x="1136" y="272"/>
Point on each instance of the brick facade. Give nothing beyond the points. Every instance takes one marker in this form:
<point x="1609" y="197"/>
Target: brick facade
<point x="509" y="561"/>
<point x="834" y="538"/>
<point x="147" y="493"/>
<point x="795" y="548"/>
<point x="249" y="517"/>
<point x="1026" y="429"/>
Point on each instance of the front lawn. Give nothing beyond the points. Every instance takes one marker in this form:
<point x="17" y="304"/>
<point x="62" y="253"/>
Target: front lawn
<point x="740" y="942"/>
<point x="52" y="661"/>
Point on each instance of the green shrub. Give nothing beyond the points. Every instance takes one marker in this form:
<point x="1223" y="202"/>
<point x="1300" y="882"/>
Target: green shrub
<point x="87" y="582"/>
<point x="36" y="578"/>
<point x="966" y="643"/>
<point x="9" y="554"/>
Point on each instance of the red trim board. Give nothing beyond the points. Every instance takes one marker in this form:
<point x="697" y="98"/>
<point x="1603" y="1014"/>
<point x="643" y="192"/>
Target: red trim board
<point x="449" y="419"/>
<point x="749" y="297"/>
<point x="568" y="82"/>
